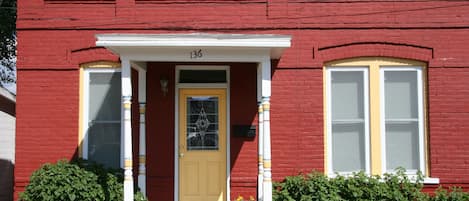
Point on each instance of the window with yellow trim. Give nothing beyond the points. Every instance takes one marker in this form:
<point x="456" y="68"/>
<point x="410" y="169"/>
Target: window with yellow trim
<point x="375" y="118"/>
<point x="101" y="111"/>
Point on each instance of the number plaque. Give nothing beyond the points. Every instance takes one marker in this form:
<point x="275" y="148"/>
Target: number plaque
<point x="196" y="54"/>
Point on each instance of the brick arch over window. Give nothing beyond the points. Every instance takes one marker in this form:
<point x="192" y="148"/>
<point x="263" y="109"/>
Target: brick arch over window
<point x="92" y="54"/>
<point x="375" y="49"/>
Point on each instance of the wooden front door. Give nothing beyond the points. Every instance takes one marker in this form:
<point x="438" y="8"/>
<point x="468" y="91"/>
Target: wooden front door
<point x="202" y="144"/>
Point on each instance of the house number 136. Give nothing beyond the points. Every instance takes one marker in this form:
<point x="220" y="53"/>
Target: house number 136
<point x="196" y="54"/>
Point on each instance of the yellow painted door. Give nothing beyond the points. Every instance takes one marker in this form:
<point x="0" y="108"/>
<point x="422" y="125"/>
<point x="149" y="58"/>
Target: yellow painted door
<point x="202" y="144"/>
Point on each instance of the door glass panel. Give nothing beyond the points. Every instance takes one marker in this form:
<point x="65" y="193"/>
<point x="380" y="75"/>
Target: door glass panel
<point x="202" y="123"/>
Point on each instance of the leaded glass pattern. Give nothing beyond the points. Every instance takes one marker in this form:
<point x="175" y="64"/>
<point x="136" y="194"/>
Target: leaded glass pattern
<point x="202" y="123"/>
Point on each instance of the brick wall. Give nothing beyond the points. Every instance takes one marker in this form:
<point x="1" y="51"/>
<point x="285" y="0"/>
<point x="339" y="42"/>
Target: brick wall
<point x="54" y="38"/>
<point x="297" y="122"/>
<point x="448" y="116"/>
<point x="47" y="120"/>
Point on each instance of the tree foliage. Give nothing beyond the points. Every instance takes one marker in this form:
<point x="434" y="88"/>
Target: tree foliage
<point x="7" y="41"/>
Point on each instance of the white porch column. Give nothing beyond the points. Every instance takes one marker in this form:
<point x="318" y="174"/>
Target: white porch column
<point x="266" y="93"/>
<point x="127" y="128"/>
<point x="260" y="137"/>
<point x="142" y="88"/>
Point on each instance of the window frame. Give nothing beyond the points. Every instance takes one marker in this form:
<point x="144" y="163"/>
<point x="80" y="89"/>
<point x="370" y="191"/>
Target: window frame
<point x="420" y="118"/>
<point x="365" y="72"/>
<point x="98" y="68"/>
<point x="374" y="65"/>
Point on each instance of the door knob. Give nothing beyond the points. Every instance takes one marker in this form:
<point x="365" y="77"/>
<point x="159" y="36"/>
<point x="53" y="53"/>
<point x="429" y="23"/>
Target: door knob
<point x="181" y="155"/>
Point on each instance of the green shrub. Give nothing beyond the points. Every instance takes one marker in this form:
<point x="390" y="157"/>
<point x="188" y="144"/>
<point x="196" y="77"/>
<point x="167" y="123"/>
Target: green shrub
<point x="456" y="194"/>
<point x="314" y="186"/>
<point x="359" y="187"/>
<point x="80" y="180"/>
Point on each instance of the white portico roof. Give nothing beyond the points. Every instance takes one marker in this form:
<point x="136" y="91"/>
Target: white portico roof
<point x="119" y="42"/>
<point x="7" y="94"/>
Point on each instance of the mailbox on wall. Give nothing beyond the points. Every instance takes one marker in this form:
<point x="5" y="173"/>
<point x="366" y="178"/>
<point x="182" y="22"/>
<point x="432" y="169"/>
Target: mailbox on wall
<point x="244" y="131"/>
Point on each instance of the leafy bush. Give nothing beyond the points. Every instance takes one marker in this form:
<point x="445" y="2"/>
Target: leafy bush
<point x="80" y="180"/>
<point x="359" y="187"/>
<point x="313" y="186"/>
<point x="456" y="194"/>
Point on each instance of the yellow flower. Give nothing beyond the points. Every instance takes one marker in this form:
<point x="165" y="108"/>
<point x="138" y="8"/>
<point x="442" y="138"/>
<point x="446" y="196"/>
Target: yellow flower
<point x="240" y="198"/>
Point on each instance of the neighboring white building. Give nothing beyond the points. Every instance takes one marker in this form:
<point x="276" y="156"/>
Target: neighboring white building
<point x="7" y="143"/>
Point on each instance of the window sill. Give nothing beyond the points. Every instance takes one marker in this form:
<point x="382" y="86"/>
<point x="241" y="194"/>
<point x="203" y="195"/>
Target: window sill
<point x="430" y="180"/>
<point x="412" y="177"/>
<point x="426" y="180"/>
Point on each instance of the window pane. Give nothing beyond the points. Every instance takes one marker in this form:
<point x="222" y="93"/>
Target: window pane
<point x="348" y="147"/>
<point x="104" y="144"/>
<point x="105" y="96"/>
<point x="104" y="129"/>
<point x="401" y="95"/>
<point x="347" y="95"/>
<point x="402" y="146"/>
<point x="347" y="109"/>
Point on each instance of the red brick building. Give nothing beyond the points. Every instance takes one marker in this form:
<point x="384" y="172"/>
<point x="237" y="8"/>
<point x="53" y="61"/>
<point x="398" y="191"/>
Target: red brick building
<point x="196" y="91"/>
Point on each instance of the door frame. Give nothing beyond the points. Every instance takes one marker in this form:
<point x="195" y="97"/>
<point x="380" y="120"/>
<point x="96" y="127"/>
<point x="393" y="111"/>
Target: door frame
<point x="178" y="86"/>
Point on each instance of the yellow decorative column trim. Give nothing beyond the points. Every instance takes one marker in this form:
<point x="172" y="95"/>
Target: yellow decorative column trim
<point x="142" y="159"/>
<point x="127" y="163"/>
<point x="142" y="108"/>
<point x="141" y="162"/>
<point x="267" y="164"/>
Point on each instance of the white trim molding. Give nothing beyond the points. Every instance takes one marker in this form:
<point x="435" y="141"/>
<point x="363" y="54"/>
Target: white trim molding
<point x="431" y="180"/>
<point x="119" y="42"/>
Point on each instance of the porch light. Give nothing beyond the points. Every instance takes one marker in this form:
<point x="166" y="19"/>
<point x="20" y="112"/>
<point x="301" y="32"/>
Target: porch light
<point x="164" y="85"/>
